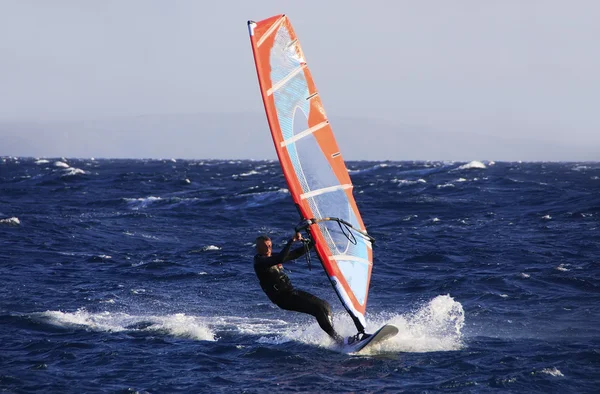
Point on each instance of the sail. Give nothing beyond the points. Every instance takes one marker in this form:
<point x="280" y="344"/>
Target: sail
<point x="312" y="162"/>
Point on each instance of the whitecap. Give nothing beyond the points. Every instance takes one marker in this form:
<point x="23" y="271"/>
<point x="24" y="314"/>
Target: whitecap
<point x="41" y="161"/>
<point x="142" y="202"/>
<point x="524" y="275"/>
<point x="71" y="171"/>
<point x="61" y="164"/>
<point x="445" y="185"/>
<point x="472" y="165"/>
<point x="547" y="217"/>
<point x="245" y="174"/>
<point x="210" y="247"/>
<point x="403" y="182"/>
<point x="580" y="168"/>
<point x="179" y="324"/>
<point x="435" y="220"/>
<point x="562" y="267"/>
<point x="13" y="221"/>
<point x="552" y="371"/>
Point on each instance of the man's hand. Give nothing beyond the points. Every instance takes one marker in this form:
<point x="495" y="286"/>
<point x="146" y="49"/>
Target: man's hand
<point x="297" y="237"/>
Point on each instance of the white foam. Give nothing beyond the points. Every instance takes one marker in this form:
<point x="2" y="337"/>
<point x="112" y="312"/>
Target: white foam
<point x="547" y="217"/>
<point x="252" y="172"/>
<point x="445" y="185"/>
<point x="210" y="247"/>
<point x="41" y="161"/>
<point x="177" y="324"/>
<point x="435" y="220"/>
<point x="73" y="171"/>
<point x="552" y="371"/>
<point x="14" y="221"/>
<point x="142" y="202"/>
<point x="472" y="165"/>
<point x="562" y="268"/>
<point x="461" y="180"/>
<point x="436" y="326"/>
<point x="403" y="182"/>
<point x="61" y="164"/>
<point x="524" y="275"/>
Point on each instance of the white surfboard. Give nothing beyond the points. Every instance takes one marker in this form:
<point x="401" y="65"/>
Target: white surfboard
<point x="384" y="333"/>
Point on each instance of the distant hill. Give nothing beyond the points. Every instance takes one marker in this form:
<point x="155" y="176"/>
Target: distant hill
<point x="246" y="136"/>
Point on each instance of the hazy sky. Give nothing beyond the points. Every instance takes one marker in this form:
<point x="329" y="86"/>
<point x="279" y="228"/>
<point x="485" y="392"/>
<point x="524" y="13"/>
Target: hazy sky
<point x="521" y="68"/>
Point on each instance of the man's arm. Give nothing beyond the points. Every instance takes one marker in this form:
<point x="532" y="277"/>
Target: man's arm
<point x="294" y="254"/>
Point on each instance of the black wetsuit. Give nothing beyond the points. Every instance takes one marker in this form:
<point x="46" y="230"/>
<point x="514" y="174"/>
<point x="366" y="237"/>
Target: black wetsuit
<point x="278" y="287"/>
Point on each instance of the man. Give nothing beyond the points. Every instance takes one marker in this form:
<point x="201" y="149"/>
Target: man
<point x="278" y="287"/>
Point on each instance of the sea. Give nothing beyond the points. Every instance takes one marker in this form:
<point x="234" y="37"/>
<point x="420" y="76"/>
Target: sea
<point x="135" y="276"/>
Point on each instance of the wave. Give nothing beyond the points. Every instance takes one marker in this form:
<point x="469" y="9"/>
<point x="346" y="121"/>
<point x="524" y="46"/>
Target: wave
<point x="369" y="169"/>
<point x="246" y="174"/>
<point x="61" y="164"/>
<point x="179" y="324"/>
<point x="256" y="200"/>
<point x="472" y="165"/>
<point x="14" y="221"/>
<point x="405" y="182"/>
<point x="552" y="371"/>
<point x="142" y="202"/>
<point x="72" y="171"/>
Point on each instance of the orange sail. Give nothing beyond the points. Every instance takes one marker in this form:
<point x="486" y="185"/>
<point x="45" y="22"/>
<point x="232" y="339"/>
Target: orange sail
<point x="312" y="162"/>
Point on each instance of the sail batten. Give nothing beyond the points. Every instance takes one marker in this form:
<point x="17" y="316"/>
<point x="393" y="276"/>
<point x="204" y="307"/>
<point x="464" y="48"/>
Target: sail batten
<point x="311" y="161"/>
<point x="304" y="133"/>
<point x="324" y="190"/>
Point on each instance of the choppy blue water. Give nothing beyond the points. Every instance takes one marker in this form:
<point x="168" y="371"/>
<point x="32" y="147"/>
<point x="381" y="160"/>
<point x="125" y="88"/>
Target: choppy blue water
<point x="136" y="275"/>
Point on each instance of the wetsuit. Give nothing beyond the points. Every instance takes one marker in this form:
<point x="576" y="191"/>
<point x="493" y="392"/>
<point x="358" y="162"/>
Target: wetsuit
<point x="278" y="287"/>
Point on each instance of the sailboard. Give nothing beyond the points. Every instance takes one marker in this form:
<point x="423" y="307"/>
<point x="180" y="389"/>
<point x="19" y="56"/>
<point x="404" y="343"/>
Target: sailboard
<point x="312" y="163"/>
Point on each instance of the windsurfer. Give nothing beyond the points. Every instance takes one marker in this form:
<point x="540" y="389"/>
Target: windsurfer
<point x="278" y="287"/>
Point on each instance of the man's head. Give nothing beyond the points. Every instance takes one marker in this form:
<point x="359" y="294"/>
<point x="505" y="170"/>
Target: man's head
<point x="264" y="245"/>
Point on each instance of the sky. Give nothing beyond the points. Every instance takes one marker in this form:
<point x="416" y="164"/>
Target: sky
<point x="432" y="80"/>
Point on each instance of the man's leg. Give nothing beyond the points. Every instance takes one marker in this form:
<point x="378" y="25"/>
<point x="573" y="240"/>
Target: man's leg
<point x="301" y="301"/>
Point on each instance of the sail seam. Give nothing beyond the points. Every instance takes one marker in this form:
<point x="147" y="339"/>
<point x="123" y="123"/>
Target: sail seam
<point x="324" y="190"/>
<point x="285" y="79"/>
<point x="304" y="133"/>
<point x="270" y="31"/>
